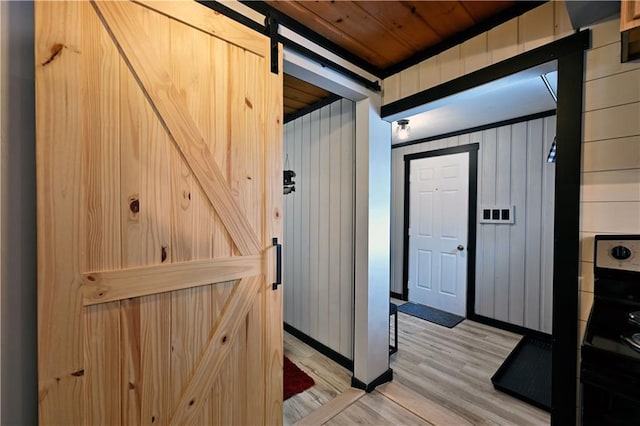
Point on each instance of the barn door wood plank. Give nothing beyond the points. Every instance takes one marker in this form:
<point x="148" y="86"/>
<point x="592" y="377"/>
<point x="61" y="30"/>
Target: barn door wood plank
<point x="211" y="22"/>
<point x="222" y="339"/>
<point x="146" y="223"/>
<point x="273" y="353"/>
<point x="192" y="316"/>
<point x="118" y="284"/>
<point x="101" y="99"/>
<point x="165" y="98"/>
<point x="59" y="168"/>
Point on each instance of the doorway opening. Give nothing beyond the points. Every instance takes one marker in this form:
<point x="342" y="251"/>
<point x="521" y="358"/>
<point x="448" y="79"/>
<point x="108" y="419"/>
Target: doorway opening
<point x="509" y="275"/>
<point x="569" y="53"/>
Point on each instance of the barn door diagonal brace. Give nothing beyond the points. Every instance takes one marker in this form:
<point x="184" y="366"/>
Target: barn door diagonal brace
<point x="278" y="247"/>
<point x="271" y="26"/>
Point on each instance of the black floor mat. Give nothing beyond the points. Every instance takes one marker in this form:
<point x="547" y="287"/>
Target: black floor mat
<point x="526" y="373"/>
<point x="433" y="315"/>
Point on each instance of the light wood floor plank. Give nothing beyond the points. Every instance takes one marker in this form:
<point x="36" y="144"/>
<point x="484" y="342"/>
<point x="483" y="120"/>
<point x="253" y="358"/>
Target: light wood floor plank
<point x="419" y="405"/>
<point x="332" y="408"/>
<point x="375" y="409"/>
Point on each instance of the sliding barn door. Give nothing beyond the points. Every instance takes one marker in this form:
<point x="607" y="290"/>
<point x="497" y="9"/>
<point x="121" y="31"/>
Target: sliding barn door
<point x="159" y="145"/>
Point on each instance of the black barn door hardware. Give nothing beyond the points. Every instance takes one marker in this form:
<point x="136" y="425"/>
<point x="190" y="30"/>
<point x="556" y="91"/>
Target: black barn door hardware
<point x="278" y="264"/>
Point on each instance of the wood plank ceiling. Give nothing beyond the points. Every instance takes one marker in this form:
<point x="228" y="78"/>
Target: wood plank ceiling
<point x="384" y="35"/>
<point x="299" y="95"/>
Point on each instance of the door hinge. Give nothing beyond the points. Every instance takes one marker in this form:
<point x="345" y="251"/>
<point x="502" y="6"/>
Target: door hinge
<point x="278" y="264"/>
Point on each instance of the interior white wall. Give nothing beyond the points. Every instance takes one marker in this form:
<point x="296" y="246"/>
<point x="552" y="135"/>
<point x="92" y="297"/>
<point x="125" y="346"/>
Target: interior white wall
<point x="318" y="279"/>
<point x="19" y="397"/>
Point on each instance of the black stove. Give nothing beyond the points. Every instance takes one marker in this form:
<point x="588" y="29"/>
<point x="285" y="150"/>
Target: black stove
<point x="610" y="367"/>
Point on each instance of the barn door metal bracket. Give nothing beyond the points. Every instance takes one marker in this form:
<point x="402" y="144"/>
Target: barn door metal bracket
<point x="278" y="263"/>
<point x="271" y="26"/>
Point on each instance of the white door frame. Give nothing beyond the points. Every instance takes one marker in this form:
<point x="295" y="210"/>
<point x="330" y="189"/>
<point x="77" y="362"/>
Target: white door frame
<point x="470" y="245"/>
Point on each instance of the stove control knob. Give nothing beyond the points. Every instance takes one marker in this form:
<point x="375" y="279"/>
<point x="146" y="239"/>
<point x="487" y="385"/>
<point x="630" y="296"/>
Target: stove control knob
<point x="620" y="252"/>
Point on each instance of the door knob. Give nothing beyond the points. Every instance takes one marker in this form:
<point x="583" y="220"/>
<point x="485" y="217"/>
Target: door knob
<point x="460" y="247"/>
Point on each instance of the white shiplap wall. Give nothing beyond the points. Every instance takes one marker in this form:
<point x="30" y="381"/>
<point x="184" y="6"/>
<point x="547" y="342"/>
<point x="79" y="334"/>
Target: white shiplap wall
<point x="514" y="263"/>
<point x="610" y="191"/>
<point x="611" y="125"/>
<point x="318" y="225"/>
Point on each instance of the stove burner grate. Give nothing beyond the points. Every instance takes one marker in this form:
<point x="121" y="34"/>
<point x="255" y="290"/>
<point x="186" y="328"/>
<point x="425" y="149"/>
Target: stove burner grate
<point x="633" y="341"/>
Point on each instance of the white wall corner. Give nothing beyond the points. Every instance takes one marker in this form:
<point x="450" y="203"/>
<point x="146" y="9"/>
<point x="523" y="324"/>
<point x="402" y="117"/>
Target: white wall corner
<point x="372" y="239"/>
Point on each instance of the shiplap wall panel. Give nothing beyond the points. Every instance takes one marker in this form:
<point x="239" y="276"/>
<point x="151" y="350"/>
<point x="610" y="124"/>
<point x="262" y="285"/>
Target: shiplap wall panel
<point x="335" y="152"/>
<point x="323" y="228"/>
<point x="474" y="53"/>
<point x="518" y="234"/>
<point x="429" y="73"/>
<point x="503" y="243"/>
<point x="612" y="154"/>
<point x="562" y="23"/>
<point x="548" y="215"/>
<point x="618" y="217"/>
<point x="596" y="186"/>
<point x="533" y="220"/>
<point x="305" y="196"/>
<point x="318" y="216"/>
<point x="391" y="87"/>
<point x="297" y="223"/>
<point x="451" y="65"/>
<point x="409" y="81"/>
<point x="605" y="61"/>
<point x="314" y="251"/>
<point x="347" y="191"/>
<point x="486" y="234"/>
<point x="503" y="41"/>
<point x="617" y="89"/>
<point x="514" y="263"/>
<point x="535" y="28"/>
<point x="615" y="122"/>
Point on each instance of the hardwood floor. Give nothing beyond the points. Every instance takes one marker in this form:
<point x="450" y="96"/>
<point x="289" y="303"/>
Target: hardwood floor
<point x="441" y="376"/>
<point x="331" y="379"/>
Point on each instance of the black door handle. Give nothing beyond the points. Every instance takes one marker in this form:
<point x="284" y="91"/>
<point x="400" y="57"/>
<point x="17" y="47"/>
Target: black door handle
<point x="278" y="263"/>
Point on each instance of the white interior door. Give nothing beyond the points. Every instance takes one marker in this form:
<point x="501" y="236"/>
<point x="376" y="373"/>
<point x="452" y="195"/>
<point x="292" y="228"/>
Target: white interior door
<point x="439" y="209"/>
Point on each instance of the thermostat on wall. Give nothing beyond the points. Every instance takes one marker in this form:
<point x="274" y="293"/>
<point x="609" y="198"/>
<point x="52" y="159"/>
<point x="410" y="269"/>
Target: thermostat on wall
<point x="497" y="214"/>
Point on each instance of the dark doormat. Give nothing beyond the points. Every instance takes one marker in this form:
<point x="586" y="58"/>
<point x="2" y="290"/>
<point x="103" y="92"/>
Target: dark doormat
<point x="433" y="315"/>
<point x="526" y="373"/>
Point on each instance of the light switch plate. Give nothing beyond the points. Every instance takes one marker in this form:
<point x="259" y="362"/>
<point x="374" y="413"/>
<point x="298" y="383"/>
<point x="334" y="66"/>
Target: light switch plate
<point x="497" y="214"/>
